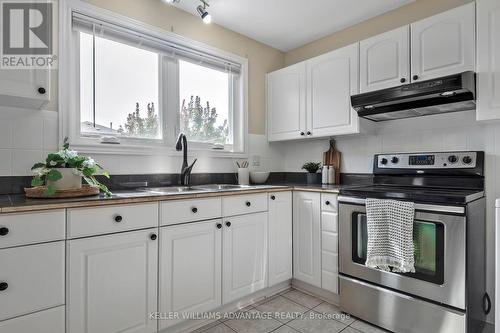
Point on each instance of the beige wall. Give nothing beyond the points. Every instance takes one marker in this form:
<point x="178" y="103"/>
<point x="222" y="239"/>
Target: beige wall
<point x="413" y="12"/>
<point x="261" y="58"/>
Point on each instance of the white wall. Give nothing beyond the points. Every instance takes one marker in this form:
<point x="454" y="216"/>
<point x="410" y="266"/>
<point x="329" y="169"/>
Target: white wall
<point x="453" y="131"/>
<point x="26" y="136"/>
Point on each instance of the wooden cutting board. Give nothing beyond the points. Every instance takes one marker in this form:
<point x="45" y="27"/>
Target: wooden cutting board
<point x="332" y="157"/>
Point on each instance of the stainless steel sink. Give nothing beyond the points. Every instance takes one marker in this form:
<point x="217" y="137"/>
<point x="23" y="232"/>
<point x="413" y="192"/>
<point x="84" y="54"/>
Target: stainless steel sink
<point x="171" y="189"/>
<point x="221" y="187"/>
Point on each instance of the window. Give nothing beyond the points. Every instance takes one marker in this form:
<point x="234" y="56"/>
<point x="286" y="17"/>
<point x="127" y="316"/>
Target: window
<point x="143" y="87"/>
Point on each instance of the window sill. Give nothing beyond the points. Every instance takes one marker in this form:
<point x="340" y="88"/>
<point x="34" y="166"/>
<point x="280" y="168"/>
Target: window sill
<point x="147" y="150"/>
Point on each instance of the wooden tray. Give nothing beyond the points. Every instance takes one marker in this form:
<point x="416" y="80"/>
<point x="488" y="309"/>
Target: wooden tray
<point x="85" y="191"/>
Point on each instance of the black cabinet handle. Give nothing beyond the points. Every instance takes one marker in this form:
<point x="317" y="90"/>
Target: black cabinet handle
<point x="194" y="210"/>
<point x="302" y="133"/>
<point x="219" y="225"/>
<point x="248" y="203"/>
<point x="403" y="80"/>
<point x="327" y="202"/>
<point x="118" y="218"/>
<point x="486" y="303"/>
<point x="153" y="236"/>
<point x="42" y="91"/>
<point x="3" y="286"/>
<point x="4" y="231"/>
<point x="309" y="133"/>
<point x="415" y="77"/>
<point x="273" y="197"/>
<point x="228" y="223"/>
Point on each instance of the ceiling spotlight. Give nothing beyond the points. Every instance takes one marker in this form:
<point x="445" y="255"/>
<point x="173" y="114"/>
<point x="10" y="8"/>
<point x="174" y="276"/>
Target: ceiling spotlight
<point x="202" y="10"/>
<point x="172" y="1"/>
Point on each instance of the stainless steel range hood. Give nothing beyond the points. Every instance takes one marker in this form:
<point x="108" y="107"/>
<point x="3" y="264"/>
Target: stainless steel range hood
<point x="446" y="94"/>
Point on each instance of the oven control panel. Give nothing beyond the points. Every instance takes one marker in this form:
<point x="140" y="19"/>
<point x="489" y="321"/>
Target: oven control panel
<point x="420" y="161"/>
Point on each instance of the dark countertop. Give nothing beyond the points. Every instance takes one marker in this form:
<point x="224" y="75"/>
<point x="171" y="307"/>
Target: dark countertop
<point x="19" y="203"/>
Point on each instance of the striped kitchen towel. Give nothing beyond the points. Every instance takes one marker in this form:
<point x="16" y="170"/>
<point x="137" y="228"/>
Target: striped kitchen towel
<point x="390" y="235"/>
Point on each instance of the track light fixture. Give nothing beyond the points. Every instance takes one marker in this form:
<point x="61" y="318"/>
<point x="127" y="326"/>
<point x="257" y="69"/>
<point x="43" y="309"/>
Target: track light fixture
<point x="172" y="1"/>
<point x="202" y="11"/>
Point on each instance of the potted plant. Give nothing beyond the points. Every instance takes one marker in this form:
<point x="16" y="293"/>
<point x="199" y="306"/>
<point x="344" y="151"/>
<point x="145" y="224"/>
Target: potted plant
<point x="313" y="177"/>
<point x="65" y="170"/>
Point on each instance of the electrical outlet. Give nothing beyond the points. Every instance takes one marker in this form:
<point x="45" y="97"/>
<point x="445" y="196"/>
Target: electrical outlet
<point x="256" y="160"/>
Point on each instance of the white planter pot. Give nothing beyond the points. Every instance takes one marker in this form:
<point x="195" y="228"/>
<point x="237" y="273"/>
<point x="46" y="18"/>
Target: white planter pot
<point x="70" y="179"/>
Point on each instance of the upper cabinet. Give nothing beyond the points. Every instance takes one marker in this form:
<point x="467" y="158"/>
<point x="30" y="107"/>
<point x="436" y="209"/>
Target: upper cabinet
<point x="312" y="98"/>
<point x="488" y="63"/>
<point x="443" y="44"/>
<point x="25" y="88"/>
<point x="286" y="102"/>
<point x="331" y="80"/>
<point x="384" y="60"/>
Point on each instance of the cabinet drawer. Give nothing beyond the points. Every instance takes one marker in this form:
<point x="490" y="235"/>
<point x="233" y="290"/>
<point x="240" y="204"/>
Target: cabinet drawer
<point x="48" y="321"/>
<point x="101" y="220"/>
<point x="31" y="228"/>
<point x="181" y="211"/>
<point x="244" y="204"/>
<point x="329" y="202"/>
<point x="34" y="276"/>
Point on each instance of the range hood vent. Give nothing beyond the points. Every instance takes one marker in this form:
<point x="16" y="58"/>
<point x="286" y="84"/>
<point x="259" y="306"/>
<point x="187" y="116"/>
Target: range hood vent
<point x="446" y="94"/>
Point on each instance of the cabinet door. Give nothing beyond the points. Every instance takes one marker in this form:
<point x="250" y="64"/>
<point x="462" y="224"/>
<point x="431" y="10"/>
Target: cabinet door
<point x="112" y="283"/>
<point x="331" y="80"/>
<point x="244" y="253"/>
<point x="29" y="88"/>
<point x="280" y="237"/>
<point x="329" y="251"/>
<point x="443" y="44"/>
<point x="385" y="60"/>
<point x="306" y="238"/>
<point x="286" y="103"/>
<point x="488" y="59"/>
<point x="190" y="268"/>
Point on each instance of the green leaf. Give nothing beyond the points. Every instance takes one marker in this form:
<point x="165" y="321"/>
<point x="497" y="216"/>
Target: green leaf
<point x="66" y="143"/>
<point x="54" y="175"/>
<point x="88" y="172"/>
<point x="37" y="166"/>
<point x="37" y="181"/>
<point x="49" y="190"/>
<point x="106" y="174"/>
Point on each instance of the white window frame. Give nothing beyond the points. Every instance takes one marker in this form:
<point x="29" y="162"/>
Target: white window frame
<point x="69" y="83"/>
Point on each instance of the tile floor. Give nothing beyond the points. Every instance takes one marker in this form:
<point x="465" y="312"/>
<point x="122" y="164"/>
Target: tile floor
<point x="311" y="314"/>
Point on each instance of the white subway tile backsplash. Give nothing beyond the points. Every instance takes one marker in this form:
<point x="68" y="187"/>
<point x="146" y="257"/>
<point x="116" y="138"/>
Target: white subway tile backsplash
<point x="5" y="162"/>
<point x="27" y="133"/>
<point x="23" y="160"/>
<point x="5" y="133"/>
<point x="50" y="134"/>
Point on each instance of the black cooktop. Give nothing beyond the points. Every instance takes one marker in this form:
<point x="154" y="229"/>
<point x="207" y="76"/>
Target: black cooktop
<point x="417" y="194"/>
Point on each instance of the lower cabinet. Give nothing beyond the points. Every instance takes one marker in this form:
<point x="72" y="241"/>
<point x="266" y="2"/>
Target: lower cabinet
<point x="307" y="237"/>
<point x="190" y="268"/>
<point x="47" y="321"/>
<point x="280" y="237"/>
<point x="112" y="283"/>
<point x="244" y="253"/>
<point x="329" y="243"/>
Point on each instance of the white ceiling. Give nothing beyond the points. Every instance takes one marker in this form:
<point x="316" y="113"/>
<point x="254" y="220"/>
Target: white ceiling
<point x="287" y="24"/>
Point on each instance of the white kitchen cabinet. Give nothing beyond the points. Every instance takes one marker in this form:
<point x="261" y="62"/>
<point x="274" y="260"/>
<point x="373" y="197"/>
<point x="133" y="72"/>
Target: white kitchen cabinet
<point x="280" y="237"/>
<point x="443" y="44"/>
<point x="329" y="243"/>
<point x="32" y="279"/>
<point x="307" y="237"/>
<point x="26" y="88"/>
<point x="331" y="80"/>
<point x="112" y="283"/>
<point x="488" y="63"/>
<point x="385" y="60"/>
<point x="286" y="103"/>
<point x="244" y="253"/>
<point x="47" y="321"/>
<point x="190" y="268"/>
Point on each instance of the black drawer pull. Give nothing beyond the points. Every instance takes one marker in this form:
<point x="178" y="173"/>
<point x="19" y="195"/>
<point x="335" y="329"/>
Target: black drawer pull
<point x="118" y="218"/>
<point x="219" y="225"/>
<point x="4" y="231"/>
<point x="153" y="236"/>
<point x="42" y="91"/>
<point x="327" y="202"/>
<point x="3" y="286"/>
<point x="194" y="210"/>
<point x="248" y="203"/>
<point x="228" y="223"/>
<point x="273" y="197"/>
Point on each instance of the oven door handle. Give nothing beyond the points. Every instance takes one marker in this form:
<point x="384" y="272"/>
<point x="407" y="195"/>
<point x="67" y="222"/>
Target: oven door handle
<point x="425" y="207"/>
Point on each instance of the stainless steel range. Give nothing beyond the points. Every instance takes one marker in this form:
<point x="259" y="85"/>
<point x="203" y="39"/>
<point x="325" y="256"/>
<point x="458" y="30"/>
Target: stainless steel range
<point x="446" y="294"/>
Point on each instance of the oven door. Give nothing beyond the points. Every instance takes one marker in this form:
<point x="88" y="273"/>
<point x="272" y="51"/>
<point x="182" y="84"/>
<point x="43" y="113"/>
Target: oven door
<point x="439" y="241"/>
